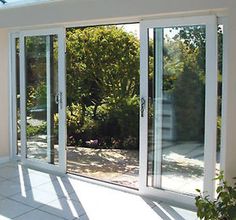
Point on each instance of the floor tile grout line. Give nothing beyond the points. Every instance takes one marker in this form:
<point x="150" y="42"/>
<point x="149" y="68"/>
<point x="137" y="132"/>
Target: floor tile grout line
<point x="52" y="214"/>
<point x="20" y="202"/>
<point x="15" y="181"/>
<point x="58" y="215"/>
<point x="35" y="208"/>
<point x="32" y="208"/>
<point x="10" y="197"/>
<point x="24" y="213"/>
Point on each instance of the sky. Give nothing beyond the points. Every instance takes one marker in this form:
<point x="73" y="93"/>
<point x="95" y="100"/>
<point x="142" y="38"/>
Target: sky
<point x="134" y="28"/>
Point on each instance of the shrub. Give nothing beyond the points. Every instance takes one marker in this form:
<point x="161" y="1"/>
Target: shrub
<point x="36" y="130"/>
<point x="116" y="125"/>
<point x="188" y="96"/>
<point x="223" y="207"/>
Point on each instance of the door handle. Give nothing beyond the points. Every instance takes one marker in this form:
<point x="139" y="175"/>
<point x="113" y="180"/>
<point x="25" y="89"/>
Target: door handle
<point x="143" y="105"/>
<point x="59" y="99"/>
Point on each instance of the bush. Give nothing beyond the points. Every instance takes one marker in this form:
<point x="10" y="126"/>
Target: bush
<point x="36" y="130"/>
<point x="223" y="207"/>
<point x="188" y="94"/>
<point x="115" y="125"/>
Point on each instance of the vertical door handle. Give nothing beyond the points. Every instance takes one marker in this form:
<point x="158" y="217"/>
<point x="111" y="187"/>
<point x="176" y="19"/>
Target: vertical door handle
<point x="143" y="103"/>
<point x="61" y="100"/>
<point x="57" y="98"/>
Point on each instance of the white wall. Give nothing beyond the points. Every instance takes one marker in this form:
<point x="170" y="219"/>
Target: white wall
<point x="94" y="10"/>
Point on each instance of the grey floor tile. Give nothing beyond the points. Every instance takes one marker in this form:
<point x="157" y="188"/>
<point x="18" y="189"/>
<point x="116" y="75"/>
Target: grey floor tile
<point x="35" y="197"/>
<point x="9" y="172"/>
<point x="11" y="209"/>
<point x="31" y="180"/>
<point x="9" y="188"/>
<point x="38" y="215"/>
<point x="64" y="208"/>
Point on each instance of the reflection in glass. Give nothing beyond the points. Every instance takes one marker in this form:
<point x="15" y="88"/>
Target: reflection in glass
<point x="17" y="72"/>
<point x="176" y="108"/>
<point x="219" y="97"/>
<point x="41" y="64"/>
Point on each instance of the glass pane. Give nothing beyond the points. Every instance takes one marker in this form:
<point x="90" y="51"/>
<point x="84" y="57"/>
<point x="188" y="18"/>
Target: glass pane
<point x="41" y="63"/>
<point x="18" y="128"/>
<point x="176" y="108"/>
<point x="103" y="103"/>
<point x="219" y="116"/>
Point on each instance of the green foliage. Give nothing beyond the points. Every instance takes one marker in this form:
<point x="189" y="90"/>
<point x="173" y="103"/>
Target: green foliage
<point x="103" y="79"/>
<point x="37" y="101"/>
<point x="120" y="124"/>
<point x="195" y="37"/>
<point x="223" y="207"/>
<point x="36" y="130"/>
<point x="173" y="63"/>
<point x="102" y="64"/>
<point x="116" y="126"/>
<point x="188" y="93"/>
<point x="218" y="132"/>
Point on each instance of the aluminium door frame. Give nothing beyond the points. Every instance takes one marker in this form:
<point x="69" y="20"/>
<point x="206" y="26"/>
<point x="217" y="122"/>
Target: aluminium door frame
<point x="13" y="99"/>
<point x="210" y="106"/>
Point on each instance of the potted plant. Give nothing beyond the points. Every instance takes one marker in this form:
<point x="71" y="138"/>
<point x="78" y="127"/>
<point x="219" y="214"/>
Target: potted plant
<point x="223" y="207"/>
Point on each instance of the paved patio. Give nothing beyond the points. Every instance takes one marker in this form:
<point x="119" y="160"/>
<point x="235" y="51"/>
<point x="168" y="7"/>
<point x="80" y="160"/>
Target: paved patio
<point x="27" y="194"/>
<point x="182" y="164"/>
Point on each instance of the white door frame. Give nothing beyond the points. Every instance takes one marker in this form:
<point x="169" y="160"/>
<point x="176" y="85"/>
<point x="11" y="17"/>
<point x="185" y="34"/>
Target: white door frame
<point x="60" y="32"/>
<point x="210" y="106"/>
<point x="12" y="92"/>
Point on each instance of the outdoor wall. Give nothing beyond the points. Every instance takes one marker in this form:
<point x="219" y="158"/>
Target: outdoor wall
<point x="4" y="97"/>
<point x="93" y="11"/>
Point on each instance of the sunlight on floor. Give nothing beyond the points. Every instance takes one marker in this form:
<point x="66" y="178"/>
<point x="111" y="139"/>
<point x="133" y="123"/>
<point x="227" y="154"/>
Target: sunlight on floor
<point x="29" y="194"/>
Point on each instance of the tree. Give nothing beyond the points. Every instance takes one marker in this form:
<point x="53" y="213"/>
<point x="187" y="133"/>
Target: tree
<point x="183" y="83"/>
<point x="102" y="65"/>
<point x="103" y="84"/>
<point x="188" y="96"/>
<point x="195" y="37"/>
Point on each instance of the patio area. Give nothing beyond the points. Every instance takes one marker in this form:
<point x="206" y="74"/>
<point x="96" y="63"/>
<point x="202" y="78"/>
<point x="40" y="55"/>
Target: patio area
<point x="30" y="194"/>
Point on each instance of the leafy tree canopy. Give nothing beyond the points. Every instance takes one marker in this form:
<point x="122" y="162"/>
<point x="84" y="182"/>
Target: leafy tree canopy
<point x="102" y="65"/>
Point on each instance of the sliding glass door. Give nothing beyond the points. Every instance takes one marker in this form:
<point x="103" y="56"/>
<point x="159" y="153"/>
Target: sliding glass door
<point x="42" y="98"/>
<point x="178" y="107"/>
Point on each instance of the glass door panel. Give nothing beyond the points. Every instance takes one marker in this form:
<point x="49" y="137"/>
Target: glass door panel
<point x="176" y="108"/>
<point x="42" y="102"/>
<point x="15" y="96"/>
<point x="17" y="76"/>
<point x="41" y="97"/>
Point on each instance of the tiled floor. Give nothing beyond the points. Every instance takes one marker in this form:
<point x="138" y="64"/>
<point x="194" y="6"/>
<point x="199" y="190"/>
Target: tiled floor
<point x="27" y="194"/>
